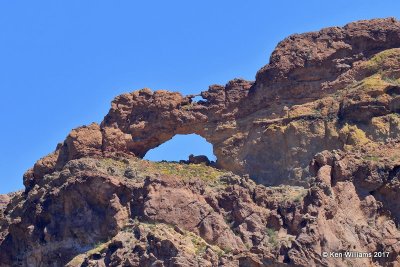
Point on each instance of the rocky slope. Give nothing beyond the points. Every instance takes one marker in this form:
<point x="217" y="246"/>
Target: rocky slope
<point x="308" y="161"/>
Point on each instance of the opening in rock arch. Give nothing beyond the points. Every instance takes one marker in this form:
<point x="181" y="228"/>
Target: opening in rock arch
<point x="180" y="147"/>
<point x="199" y="98"/>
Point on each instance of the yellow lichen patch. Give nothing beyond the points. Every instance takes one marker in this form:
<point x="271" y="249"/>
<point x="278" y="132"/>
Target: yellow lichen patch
<point x="275" y="128"/>
<point x="200" y="245"/>
<point x="109" y="162"/>
<point x="377" y="62"/>
<point x="76" y="261"/>
<point x="186" y="171"/>
<point x="286" y="193"/>
<point x="97" y="248"/>
<point x="298" y="126"/>
<point x="188" y="107"/>
<point x="381" y="74"/>
<point x="139" y="169"/>
<point x="380" y="125"/>
<point x="302" y="110"/>
<point x="374" y="83"/>
<point x="351" y="136"/>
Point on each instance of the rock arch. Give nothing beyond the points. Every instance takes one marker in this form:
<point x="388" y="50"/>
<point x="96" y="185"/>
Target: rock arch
<point x="246" y="122"/>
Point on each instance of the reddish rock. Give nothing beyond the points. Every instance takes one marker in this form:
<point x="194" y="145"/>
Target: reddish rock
<point x="322" y="114"/>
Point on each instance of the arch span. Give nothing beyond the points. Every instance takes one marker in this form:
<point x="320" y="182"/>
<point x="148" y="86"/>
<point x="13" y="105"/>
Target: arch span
<point x="180" y="147"/>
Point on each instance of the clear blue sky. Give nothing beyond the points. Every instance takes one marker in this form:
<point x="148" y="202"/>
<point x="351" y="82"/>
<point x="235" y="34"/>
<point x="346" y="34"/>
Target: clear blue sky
<point x="62" y="62"/>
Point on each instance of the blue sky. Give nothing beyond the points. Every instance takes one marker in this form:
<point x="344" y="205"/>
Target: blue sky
<point x="62" y="62"/>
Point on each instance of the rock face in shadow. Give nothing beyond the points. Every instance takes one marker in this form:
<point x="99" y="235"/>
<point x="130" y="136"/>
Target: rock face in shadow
<point x="323" y="114"/>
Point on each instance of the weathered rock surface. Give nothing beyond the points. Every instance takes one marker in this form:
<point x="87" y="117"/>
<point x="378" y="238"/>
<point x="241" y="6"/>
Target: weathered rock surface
<point x="315" y="82"/>
<point x="303" y="65"/>
<point x="4" y="200"/>
<point x="130" y="212"/>
<point x="324" y="113"/>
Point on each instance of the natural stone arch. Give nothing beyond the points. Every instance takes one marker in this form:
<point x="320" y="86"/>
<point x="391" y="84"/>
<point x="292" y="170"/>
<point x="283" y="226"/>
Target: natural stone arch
<point x="149" y="118"/>
<point x="247" y="123"/>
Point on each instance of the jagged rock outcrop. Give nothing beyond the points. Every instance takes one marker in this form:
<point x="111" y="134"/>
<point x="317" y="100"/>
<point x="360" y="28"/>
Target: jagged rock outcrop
<point x="4" y="200"/>
<point x="130" y="212"/>
<point x="315" y="82"/>
<point x="93" y="201"/>
<point x="331" y="98"/>
<point x="303" y="65"/>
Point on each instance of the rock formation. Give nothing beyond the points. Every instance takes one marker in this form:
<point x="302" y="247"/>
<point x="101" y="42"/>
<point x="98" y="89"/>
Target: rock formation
<point x="308" y="160"/>
<point x="316" y="76"/>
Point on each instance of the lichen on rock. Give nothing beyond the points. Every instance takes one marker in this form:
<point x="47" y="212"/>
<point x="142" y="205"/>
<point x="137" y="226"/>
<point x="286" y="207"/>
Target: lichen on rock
<point x="307" y="161"/>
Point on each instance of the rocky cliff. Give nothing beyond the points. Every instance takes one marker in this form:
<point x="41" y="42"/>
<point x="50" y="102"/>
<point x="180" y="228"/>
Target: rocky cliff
<point x="308" y="161"/>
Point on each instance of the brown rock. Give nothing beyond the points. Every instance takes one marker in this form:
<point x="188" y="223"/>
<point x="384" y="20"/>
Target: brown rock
<point x="329" y="97"/>
<point x="292" y="110"/>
